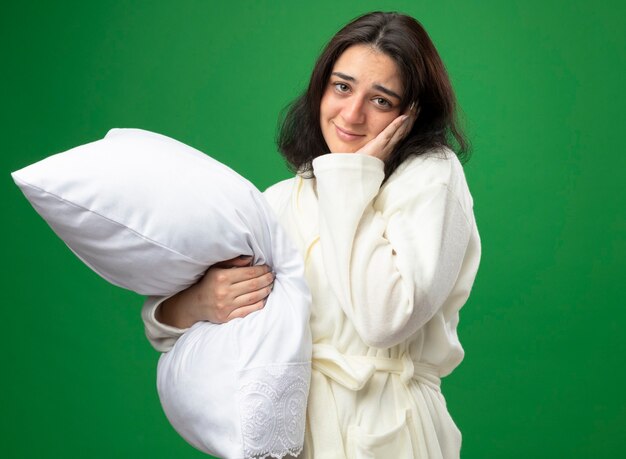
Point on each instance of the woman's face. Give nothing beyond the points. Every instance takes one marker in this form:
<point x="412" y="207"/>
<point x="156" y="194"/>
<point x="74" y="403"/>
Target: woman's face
<point x="362" y="97"/>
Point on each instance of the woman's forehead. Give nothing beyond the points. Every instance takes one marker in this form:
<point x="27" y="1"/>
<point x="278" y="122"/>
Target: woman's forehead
<point x="366" y="65"/>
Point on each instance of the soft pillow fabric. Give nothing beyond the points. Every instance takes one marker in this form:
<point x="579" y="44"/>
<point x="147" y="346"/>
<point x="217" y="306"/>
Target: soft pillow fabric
<point x="136" y="200"/>
<point x="150" y="214"/>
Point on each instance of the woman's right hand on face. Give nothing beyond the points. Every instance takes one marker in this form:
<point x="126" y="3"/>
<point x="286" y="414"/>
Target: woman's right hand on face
<point x="227" y="290"/>
<point x="385" y="142"/>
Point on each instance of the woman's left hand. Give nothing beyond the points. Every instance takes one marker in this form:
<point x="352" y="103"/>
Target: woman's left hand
<point x="383" y="144"/>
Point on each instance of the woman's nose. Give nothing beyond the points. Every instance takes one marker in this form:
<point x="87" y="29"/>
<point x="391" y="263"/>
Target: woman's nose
<point x="352" y="111"/>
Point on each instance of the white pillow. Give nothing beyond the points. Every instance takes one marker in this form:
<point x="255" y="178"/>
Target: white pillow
<point x="150" y="214"/>
<point x="135" y="200"/>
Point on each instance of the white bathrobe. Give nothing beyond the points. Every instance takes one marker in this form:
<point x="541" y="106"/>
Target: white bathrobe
<point x="389" y="268"/>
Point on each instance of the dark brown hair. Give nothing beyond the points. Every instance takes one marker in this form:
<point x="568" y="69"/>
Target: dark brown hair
<point x="425" y="82"/>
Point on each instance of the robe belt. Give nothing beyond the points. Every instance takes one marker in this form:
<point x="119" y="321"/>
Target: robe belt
<point x="352" y="372"/>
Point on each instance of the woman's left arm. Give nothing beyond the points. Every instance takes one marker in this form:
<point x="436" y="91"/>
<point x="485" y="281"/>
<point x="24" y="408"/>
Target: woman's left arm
<point x="393" y="258"/>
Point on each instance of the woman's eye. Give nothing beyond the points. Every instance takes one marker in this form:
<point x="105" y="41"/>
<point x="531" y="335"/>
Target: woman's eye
<point x="384" y="103"/>
<point x="342" y="87"/>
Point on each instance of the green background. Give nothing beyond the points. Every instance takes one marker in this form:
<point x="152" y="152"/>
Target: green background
<point x="541" y="88"/>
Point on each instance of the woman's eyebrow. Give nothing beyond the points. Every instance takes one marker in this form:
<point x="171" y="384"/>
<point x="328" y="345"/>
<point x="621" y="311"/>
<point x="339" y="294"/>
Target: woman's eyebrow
<point x="380" y="87"/>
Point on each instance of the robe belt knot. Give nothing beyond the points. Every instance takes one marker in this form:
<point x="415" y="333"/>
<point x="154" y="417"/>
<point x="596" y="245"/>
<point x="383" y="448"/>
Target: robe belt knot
<point x="354" y="371"/>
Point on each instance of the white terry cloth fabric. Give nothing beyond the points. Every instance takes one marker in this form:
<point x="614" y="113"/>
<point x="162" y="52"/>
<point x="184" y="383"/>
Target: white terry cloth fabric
<point x="151" y="214"/>
<point x="389" y="268"/>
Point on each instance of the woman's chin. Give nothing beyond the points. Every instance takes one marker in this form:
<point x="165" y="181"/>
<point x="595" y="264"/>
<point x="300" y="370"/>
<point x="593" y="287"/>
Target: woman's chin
<point x="346" y="148"/>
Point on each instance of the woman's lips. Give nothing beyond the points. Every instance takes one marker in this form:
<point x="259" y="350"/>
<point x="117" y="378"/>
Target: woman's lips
<point x="347" y="135"/>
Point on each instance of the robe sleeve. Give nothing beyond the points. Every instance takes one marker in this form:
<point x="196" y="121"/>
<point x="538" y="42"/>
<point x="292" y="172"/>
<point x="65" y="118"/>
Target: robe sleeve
<point x="392" y="255"/>
<point x="162" y="337"/>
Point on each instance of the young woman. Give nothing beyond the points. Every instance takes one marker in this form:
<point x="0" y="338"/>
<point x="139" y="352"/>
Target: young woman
<point x="382" y="215"/>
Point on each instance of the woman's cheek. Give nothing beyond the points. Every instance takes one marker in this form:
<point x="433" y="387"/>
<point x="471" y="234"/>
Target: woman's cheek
<point x="383" y="124"/>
